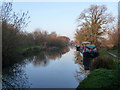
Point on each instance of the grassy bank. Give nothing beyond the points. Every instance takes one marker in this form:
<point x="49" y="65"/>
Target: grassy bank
<point x="31" y="50"/>
<point x="103" y="78"/>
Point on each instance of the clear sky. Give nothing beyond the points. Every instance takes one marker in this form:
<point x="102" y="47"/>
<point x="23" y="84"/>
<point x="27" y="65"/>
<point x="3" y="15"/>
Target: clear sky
<point x="59" y="17"/>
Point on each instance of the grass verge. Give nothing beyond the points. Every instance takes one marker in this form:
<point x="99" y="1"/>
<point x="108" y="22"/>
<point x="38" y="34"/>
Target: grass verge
<point x="101" y="78"/>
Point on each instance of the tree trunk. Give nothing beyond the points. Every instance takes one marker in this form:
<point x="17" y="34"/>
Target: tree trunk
<point x="95" y="38"/>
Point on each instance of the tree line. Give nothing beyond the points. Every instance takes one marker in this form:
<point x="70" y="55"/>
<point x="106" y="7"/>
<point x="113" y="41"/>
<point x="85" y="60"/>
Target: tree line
<point x="15" y="40"/>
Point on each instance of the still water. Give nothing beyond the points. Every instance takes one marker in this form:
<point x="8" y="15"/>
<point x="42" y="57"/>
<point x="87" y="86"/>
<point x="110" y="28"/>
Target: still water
<point x="48" y="69"/>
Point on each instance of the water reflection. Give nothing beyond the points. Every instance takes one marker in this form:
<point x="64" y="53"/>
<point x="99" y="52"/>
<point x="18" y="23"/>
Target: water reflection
<point x="15" y="76"/>
<point x="81" y="73"/>
<point x="43" y="58"/>
<point x="78" y="58"/>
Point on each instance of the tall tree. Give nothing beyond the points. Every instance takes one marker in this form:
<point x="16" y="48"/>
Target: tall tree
<point x="94" y="20"/>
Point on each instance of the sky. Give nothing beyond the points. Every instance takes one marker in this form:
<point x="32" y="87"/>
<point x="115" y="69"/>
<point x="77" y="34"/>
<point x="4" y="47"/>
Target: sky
<point x="59" y="17"/>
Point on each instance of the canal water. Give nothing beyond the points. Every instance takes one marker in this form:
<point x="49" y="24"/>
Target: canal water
<point x="54" y="69"/>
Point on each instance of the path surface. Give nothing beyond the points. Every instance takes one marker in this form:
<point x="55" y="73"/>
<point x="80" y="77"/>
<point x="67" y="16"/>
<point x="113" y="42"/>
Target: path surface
<point x="114" y="55"/>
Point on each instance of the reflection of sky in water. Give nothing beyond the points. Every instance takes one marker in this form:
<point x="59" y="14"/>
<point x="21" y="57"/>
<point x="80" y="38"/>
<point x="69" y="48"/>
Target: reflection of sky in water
<point x="49" y="71"/>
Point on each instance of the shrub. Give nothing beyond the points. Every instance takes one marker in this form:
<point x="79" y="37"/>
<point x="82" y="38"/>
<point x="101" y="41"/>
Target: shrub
<point x="101" y="62"/>
<point x="114" y="47"/>
<point x="55" y="42"/>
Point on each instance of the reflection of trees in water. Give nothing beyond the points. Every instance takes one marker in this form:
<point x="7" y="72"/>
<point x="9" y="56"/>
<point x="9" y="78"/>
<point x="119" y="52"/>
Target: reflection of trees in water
<point x="72" y="47"/>
<point x="78" y="58"/>
<point x="65" y="50"/>
<point x="39" y="59"/>
<point x="42" y="59"/>
<point x="14" y="77"/>
<point x="81" y="73"/>
<point x="53" y="55"/>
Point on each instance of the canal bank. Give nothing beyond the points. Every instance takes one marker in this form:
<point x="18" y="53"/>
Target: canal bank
<point x="101" y="77"/>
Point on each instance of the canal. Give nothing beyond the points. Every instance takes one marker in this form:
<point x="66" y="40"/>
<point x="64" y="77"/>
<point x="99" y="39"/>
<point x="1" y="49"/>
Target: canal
<point x="48" y="69"/>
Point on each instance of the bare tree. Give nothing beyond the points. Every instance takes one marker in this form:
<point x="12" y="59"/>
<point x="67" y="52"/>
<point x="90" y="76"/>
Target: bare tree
<point x="18" y="20"/>
<point x="113" y="35"/>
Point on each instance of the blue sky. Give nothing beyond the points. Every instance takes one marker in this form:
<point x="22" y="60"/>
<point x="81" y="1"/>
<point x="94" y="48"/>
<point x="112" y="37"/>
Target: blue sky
<point x="59" y="17"/>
